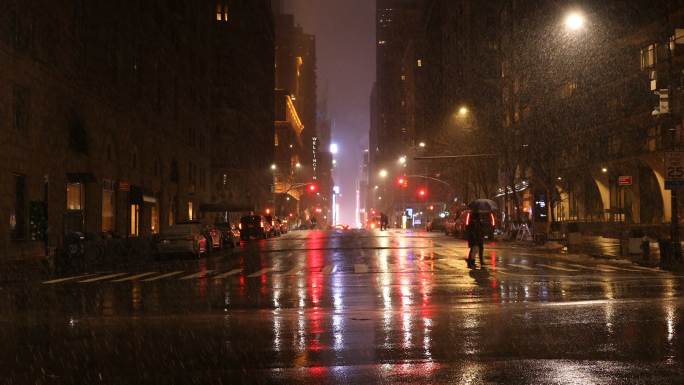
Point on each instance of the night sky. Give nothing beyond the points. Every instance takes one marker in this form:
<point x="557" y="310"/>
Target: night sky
<point x="345" y="46"/>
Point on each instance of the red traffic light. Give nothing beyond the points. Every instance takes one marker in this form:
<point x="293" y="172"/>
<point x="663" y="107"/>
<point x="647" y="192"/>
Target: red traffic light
<point x="313" y="188"/>
<point x="402" y="182"/>
<point x="422" y="193"/>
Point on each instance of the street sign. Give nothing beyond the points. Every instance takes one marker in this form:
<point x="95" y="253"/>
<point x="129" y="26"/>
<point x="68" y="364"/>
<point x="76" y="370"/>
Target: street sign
<point x="625" y="180"/>
<point x="674" y="169"/>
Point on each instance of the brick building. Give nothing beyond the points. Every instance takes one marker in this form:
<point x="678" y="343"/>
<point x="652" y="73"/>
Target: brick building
<point x="107" y="121"/>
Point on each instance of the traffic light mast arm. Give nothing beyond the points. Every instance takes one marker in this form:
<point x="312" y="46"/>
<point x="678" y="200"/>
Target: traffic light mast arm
<point x="430" y="178"/>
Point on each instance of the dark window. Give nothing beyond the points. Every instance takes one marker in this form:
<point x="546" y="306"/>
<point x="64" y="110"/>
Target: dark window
<point x="21" y="108"/>
<point x="18" y="214"/>
<point x="174" y="171"/>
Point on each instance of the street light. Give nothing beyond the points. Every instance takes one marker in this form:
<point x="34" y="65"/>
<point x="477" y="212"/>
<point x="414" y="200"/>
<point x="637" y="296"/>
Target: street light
<point x="421" y="144"/>
<point x="334" y="148"/>
<point x="574" y="21"/>
<point x="273" y="167"/>
<point x="383" y="173"/>
<point x="298" y="165"/>
<point x="402" y="159"/>
<point x="463" y="111"/>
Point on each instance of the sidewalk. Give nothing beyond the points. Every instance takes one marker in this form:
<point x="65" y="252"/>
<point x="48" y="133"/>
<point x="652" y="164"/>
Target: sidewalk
<point x="22" y="270"/>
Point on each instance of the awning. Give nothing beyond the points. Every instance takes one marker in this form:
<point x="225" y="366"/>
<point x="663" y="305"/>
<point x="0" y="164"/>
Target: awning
<point x="223" y="207"/>
<point x="80" y="177"/>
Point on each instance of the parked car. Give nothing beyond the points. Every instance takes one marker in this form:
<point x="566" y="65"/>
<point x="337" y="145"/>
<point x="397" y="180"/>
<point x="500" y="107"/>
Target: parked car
<point x="213" y="236"/>
<point x="282" y="225"/>
<point x="450" y="225"/>
<point x="254" y="226"/>
<point x="183" y="238"/>
<point x="230" y="235"/>
<point x="275" y="228"/>
<point x="435" y="224"/>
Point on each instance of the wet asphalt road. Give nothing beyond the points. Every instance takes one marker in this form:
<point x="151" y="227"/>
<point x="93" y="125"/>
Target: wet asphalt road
<point x="350" y="307"/>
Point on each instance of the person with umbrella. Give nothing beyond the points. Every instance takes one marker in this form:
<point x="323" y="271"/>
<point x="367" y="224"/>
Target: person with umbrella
<point x="477" y="223"/>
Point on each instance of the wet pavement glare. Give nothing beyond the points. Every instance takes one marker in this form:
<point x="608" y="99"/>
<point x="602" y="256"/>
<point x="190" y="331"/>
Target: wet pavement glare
<point x="348" y="307"/>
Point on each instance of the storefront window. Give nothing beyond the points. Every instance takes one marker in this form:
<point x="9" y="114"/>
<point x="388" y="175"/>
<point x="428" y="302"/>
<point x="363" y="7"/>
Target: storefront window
<point x="108" y="211"/>
<point x="154" y="220"/>
<point x="135" y="220"/>
<point x="74" y="196"/>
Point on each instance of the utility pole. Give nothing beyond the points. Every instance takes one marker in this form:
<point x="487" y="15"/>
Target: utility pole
<point x="672" y="121"/>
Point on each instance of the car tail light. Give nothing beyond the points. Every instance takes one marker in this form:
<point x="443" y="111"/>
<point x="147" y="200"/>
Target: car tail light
<point x="467" y="219"/>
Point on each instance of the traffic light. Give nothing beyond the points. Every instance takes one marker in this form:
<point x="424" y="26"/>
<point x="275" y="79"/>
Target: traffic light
<point x="422" y="193"/>
<point x="313" y="188"/>
<point x="402" y="182"/>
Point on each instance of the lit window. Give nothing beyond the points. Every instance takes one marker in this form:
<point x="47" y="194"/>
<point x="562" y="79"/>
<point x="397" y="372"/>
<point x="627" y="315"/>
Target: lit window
<point x="221" y="11"/>
<point x="190" y="211"/>
<point x="420" y="62"/>
<point x="135" y="220"/>
<point x="154" y="220"/>
<point x="74" y="196"/>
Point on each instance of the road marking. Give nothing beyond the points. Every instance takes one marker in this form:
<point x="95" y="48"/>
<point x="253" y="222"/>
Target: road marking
<point x="228" y="273"/>
<point x="134" y="277"/>
<point x="360" y="268"/>
<point x="65" y="279"/>
<point x="260" y="272"/>
<point x="644" y="268"/>
<point x="621" y="268"/>
<point x="520" y="266"/>
<point x="102" y="278"/>
<point x="605" y="270"/>
<point x="167" y="275"/>
<point x="199" y="274"/>
<point x="293" y="271"/>
<point x="552" y="267"/>
<point x="329" y="269"/>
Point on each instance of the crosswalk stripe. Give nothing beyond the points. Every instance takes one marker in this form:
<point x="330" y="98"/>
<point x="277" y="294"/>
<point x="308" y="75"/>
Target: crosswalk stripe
<point x="260" y="272"/>
<point x="644" y="268"/>
<point x="102" y="278"/>
<point x="520" y="266"/>
<point x="134" y="277"/>
<point x="199" y="274"/>
<point x="329" y="269"/>
<point x="360" y="268"/>
<point x="293" y="271"/>
<point x="619" y="268"/>
<point x="228" y="273"/>
<point x="167" y="275"/>
<point x="553" y="267"/>
<point x="65" y="279"/>
<point x="604" y="270"/>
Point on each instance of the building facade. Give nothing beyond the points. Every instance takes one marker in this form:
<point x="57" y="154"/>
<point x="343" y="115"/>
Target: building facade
<point x="109" y="117"/>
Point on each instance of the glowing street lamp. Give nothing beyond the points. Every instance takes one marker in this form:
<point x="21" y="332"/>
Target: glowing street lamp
<point x="463" y="111"/>
<point x="421" y="144"/>
<point x="402" y="159"/>
<point x="273" y="167"/>
<point x="334" y="148"/>
<point x="383" y="173"/>
<point x="298" y="165"/>
<point x="574" y="21"/>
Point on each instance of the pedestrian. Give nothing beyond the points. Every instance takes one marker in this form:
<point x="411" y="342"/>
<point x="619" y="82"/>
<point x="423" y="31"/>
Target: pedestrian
<point x="383" y="221"/>
<point x="476" y="231"/>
